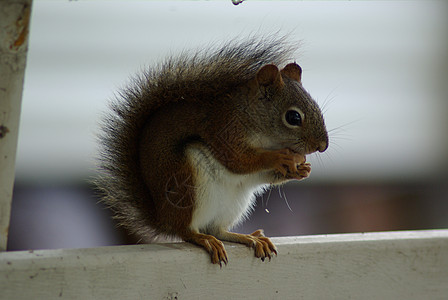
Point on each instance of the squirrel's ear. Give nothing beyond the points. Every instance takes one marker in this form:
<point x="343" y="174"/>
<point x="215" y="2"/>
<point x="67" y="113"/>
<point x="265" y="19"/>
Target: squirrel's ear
<point x="293" y="71"/>
<point x="269" y="75"/>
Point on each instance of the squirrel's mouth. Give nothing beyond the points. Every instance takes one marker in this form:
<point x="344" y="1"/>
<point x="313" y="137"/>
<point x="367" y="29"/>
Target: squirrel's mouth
<point x="296" y="151"/>
<point x="300" y="153"/>
<point x="306" y="151"/>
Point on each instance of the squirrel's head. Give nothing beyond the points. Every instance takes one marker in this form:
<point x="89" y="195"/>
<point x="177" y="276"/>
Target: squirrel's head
<point x="286" y="115"/>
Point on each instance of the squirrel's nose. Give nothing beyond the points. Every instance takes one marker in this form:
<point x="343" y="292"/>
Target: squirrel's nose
<point x="323" y="145"/>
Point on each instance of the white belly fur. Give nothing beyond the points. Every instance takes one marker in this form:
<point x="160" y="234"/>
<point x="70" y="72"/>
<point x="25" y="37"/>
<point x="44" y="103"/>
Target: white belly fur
<point x="222" y="198"/>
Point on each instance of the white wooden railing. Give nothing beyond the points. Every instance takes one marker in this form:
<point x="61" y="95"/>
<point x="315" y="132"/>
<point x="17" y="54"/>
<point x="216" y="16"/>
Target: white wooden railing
<point x="388" y="265"/>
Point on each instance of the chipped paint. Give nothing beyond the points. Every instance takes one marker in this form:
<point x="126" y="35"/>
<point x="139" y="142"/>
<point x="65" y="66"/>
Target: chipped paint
<point x="22" y="24"/>
<point x="3" y="131"/>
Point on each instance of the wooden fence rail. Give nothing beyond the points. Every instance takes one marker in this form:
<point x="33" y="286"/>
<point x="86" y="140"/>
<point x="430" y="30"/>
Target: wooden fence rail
<point x="387" y="265"/>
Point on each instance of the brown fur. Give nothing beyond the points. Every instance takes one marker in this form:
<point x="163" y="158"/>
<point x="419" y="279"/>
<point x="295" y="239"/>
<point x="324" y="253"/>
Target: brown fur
<point x="228" y="121"/>
<point x="134" y="184"/>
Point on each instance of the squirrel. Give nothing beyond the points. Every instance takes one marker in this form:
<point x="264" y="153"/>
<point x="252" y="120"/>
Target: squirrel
<point x="185" y="149"/>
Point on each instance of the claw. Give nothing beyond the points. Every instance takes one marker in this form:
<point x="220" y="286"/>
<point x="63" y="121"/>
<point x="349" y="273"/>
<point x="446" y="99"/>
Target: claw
<point x="213" y="246"/>
<point x="263" y="247"/>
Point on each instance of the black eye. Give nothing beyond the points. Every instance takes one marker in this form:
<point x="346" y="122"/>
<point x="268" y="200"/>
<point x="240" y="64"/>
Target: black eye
<point x="293" y="118"/>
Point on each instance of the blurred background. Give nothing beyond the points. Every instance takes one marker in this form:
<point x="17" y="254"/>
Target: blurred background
<point x="378" y="69"/>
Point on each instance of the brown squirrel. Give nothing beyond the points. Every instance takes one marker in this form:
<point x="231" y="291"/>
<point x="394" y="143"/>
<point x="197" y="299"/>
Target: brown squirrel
<point x="187" y="147"/>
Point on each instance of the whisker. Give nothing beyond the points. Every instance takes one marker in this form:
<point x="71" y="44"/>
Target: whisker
<point x="326" y="105"/>
<point x="286" y="200"/>
<point x="319" y="159"/>
<point x="269" y="196"/>
<point x="343" y="126"/>
<point x="338" y="149"/>
<point x="331" y="156"/>
<point x="262" y="199"/>
<point x="342" y="137"/>
<point x="329" y="99"/>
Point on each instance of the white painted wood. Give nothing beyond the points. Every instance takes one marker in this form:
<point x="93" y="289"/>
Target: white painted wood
<point x="388" y="265"/>
<point x="14" y="25"/>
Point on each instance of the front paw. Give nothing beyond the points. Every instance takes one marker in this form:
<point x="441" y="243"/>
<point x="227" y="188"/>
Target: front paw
<point x="303" y="171"/>
<point x="262" y="245"/>
<point x="287" y="161"/>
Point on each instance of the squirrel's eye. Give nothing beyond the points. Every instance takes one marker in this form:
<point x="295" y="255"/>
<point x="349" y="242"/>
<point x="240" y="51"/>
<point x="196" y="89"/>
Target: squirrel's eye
<point x="293" y="118"/>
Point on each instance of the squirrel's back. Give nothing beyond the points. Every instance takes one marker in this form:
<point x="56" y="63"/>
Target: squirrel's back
<point x="205" y="74"/>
